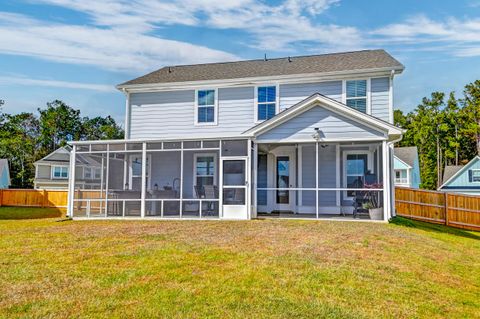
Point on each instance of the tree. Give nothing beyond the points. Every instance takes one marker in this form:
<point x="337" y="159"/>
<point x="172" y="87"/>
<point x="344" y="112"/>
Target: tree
<point x="101" y="128"/>
<point x="18" y="143"/>
<point x="59" y="124"/>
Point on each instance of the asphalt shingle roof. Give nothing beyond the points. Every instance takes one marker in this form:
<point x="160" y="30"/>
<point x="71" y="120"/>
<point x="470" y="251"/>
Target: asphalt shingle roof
<point x="451" y="170"/>
<point x="325" y="63"/>
<point x="407" y="154"/>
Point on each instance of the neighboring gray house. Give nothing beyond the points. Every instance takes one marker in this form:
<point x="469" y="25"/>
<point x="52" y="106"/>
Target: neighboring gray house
<point x="52" y="171"/>
<point x="4" y="174"/>
<point x="463" y="179"/>
<point x="406" y="167"/>
<point x="294" y="136"/>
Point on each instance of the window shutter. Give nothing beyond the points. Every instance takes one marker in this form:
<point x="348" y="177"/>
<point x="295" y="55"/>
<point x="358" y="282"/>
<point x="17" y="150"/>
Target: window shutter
<point x="470" y="175"/>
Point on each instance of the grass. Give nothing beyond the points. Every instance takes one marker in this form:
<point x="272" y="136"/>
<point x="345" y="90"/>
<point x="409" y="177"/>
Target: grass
<point x="254" y="269"/>
<point x="29" y="213"/>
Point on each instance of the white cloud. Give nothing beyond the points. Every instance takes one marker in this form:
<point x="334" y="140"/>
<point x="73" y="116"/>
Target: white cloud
<point x="18" y="80"/>
<point x="457" y="37"/>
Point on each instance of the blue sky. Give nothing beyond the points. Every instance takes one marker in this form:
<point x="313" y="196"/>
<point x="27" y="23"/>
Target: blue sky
<point x="78" y="50"/>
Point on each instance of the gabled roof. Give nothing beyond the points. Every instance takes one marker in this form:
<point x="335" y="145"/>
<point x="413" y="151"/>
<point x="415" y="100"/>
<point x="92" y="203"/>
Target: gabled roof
<point x="408" y="154"/>
<point x="332" y="105"/>
<point x="61" y="156"/>
<point x="312" y="64"/>
<point x="452" y="171"/>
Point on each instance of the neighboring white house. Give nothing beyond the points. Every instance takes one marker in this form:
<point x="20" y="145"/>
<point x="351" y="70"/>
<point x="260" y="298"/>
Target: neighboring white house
<point x="406" y="167"/>
<point x="294" y="136"/>
<point x="463" y="179"/>
<point x="53" y="171"/>
<point x="4" y="174"/>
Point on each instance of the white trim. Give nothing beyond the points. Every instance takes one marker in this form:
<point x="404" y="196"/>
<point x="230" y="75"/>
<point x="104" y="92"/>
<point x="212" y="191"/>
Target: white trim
<point x="316" y="179"/>
<point x="127" y="114"/>
<point x="474" y="169"/>
<point x="460" y="170"/>
<point x="71" y="185"/>
<point x="334" y="106"/>
<point x="215" y="112"/>
<point x="300" y="173"/>
<point x="368" y="100"/>
<point x="143" y="180"/>
<point x="281" y="79"/>
<point x="255" y="100"/>
<point x="390" y="99"/>
<point x="401" y="161"/>
<point x="254" y="205"/>
<point x="52" y="169"/>
<point x="355" y="152"/>
<point x="338" y="173"/>
<point x="195" y="157"/>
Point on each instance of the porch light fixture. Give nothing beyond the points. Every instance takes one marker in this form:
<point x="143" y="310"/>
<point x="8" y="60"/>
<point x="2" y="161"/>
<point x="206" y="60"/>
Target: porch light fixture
<point x="317" y="134"/>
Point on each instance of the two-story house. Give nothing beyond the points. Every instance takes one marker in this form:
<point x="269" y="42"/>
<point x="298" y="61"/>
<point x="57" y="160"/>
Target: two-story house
<point x="304" y="136"/>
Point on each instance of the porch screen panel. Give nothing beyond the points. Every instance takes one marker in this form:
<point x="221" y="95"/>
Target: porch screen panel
<point x="235" y="148"/>
<point x="262" y="179"/>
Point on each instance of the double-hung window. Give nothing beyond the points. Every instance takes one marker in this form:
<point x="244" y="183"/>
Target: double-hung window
<point x="87" y="173"/>
<point x="356" y="96"/>
<point x="475" y="175"/>
<point x="206" y="107"/>
<point x="266" y="102"/>
<point x="60" y="171"/>
<point x="204" y="170"/>
<point x="401" y="176"/>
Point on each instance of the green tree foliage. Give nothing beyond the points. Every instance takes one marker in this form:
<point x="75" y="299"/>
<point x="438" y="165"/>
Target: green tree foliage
<point x="445" y="131"/>
<point x="26" y="138"/>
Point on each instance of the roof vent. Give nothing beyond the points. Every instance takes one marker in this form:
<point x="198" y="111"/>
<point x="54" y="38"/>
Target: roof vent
<point x="289" y="59"/>
<point x="265" y="57"/>
<point x="170" y="69"/>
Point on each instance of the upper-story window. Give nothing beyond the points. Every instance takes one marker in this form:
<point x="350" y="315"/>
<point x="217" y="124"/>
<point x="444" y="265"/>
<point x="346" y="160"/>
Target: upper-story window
<point x="266" y="102"/>
<point x="357" y="95"/>
<point x="206" y="104"/>
<point x="60" y="171"/>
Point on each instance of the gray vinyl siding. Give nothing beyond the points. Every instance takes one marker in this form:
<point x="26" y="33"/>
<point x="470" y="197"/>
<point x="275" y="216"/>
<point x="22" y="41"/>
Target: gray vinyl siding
<point x="332" y="125"/>
<point x="170" y="114"/>
<point x="43" y="171"/>
<point x="380" y="98"/>
<point x="291" y="94"/>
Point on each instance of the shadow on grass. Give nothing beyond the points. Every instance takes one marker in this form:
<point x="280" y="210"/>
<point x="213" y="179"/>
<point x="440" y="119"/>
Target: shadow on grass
<point x="405" y="222"/>
<point x="9" y="213"/>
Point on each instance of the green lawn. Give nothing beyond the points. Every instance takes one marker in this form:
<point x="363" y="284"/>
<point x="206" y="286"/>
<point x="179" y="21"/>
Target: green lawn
<point x="220" y="269"/>
<point x="29" y="213"/>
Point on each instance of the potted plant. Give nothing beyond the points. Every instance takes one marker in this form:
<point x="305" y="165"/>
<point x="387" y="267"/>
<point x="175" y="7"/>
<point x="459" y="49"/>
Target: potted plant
<point x="375" y="209"/>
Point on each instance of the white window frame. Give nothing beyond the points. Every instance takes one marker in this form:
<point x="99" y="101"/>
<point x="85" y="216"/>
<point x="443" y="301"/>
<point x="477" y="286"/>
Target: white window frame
<point x="475" y="170"/>
<point x="130" y="171"/>
<point x="215" y="112"/>
<point x="368" y="96"/>
<point x="52" y="172"/>
<point x="277" y="100"/>
<point x="369" y="166"/>
<point x="401" y="181"/>
<point x="95" y="170"/>
<point x="197" y="155"/>
<point x="90" y="169"/>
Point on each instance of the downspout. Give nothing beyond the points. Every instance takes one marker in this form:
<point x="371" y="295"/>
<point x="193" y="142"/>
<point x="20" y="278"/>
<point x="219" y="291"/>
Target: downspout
<point x="127" y="113"/>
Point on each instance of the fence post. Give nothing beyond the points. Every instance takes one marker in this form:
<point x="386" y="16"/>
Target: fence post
<point x="446" y="208"/>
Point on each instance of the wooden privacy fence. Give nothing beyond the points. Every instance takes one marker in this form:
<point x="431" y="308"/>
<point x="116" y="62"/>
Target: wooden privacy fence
<point x="451" y="209"/>
<point x="33" y="198"/>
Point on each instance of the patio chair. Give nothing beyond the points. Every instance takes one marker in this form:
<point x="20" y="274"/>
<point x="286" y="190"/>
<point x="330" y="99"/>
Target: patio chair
<point x="210" y="192"/>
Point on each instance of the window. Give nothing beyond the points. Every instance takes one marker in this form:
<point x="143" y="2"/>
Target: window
<point x="475" y="175"/>
<point x="60" y="171"/>
<point x="356" y="169"/>
<point x="206" y="106"/>
<point x="204" y="169"/>
<point x="401" y="176"/>
<point x="136" y="172"/>
<point x="357" y="95"/>
<point x="87" y="172"/>
<point x="266" y="102"/>
<point x="98" y="173"/>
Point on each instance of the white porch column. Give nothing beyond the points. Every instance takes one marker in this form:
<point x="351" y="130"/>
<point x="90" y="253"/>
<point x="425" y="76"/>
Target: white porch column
<point x="181" y="180"/>
<point x="106" y="179"/>
<point x="255" y="181"/>
<point x="386" y="180"/>
<point x="144" y="179"/>
<point x="71" y="183"/>
<point x="316" y="179"/>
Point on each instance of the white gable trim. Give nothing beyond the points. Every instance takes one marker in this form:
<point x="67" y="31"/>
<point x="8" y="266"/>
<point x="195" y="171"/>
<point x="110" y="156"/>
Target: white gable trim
<point x="403" y="162"/>
<point x="333" y="106"/>
<point x="460" y="171"/>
